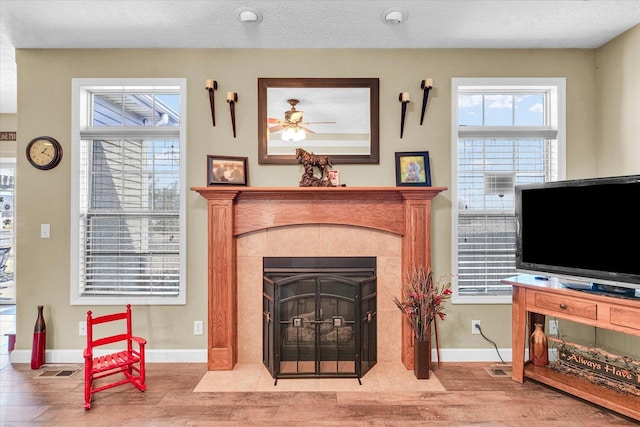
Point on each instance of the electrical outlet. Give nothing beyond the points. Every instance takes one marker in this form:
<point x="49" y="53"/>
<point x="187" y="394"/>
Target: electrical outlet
<point x="198" y="327"/>
<point x="553" y="327"/>
<point x="474" y="330"/>
<point x="82" y="328"/>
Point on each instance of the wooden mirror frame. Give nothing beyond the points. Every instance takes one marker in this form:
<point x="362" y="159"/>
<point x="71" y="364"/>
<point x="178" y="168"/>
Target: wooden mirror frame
<point x="374" y="114"/>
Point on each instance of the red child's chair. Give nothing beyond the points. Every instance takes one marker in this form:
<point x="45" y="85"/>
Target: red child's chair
<point x="129" y="361"/>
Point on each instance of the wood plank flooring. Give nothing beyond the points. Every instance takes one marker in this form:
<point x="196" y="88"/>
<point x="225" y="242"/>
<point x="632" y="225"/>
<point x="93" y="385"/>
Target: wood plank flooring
<point x="472" y="397"/>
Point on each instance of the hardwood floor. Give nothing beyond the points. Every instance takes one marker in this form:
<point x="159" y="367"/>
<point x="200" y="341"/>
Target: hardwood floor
<point x="472" y="397"/>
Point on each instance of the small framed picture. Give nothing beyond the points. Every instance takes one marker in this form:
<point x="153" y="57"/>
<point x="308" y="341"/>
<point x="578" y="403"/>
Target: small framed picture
<point x="334" y="177"/>
<point x="412" y="169"/>
<point x="226" y="170"/>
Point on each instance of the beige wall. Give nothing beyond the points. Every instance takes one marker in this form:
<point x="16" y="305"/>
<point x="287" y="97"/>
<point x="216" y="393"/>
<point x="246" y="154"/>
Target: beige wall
<point x="618" y="108"/>
<point x="617" y="150"/>
<point x="44" y="103"/>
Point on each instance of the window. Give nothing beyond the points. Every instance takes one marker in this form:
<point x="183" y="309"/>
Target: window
<point x="505" y="132"/>
<point x="128" y="223"/>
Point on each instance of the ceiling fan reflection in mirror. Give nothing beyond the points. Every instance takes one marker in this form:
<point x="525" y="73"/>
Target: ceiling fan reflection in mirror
<point x="292" y="126"/>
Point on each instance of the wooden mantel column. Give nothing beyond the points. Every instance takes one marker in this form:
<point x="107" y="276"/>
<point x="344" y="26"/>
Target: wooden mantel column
<point x="416" y="251"/>
<point x="233" y="211"/>
<point x="223" y="294"/>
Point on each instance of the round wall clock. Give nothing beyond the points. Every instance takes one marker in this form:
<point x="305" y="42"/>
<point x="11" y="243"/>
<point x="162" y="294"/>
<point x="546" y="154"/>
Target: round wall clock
<point x="44" y="152"/>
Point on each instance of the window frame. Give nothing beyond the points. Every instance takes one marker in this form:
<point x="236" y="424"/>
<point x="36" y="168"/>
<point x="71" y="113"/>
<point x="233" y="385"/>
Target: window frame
<point x="557" y="123"/>
<point x="81" y="113"/>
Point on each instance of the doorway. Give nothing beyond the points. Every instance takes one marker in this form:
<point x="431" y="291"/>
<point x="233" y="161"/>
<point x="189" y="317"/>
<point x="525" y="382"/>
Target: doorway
<point x="7" y="236"/>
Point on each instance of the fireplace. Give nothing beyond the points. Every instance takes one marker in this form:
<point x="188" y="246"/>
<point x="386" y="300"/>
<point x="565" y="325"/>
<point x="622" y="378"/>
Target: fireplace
<point x="319" y="316"/>
<point x="239" y="213"/>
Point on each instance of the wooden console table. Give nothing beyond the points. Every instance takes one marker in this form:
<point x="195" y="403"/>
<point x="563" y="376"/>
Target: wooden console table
<point x="537" y="298"/>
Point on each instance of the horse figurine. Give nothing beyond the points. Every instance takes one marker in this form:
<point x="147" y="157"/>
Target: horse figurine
<point x="309" y="160"/>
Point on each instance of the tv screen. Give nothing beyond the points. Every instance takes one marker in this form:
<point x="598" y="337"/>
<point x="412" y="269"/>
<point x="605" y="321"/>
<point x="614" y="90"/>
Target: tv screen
<point x="587" y="229"/>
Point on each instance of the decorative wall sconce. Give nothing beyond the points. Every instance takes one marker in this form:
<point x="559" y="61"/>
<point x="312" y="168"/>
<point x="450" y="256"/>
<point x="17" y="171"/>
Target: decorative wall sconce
<point x="232" y="98"/>
<point x="404" y="100"/>
<point x="211" y="86"/>
<point x="426" y="86"/>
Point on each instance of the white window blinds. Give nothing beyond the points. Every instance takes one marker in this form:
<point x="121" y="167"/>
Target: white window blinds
<point x="131" y="228"/>
<point x="488" y="170"/>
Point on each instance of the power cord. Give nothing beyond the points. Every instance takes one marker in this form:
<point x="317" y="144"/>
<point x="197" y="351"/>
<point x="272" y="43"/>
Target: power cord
<point x="477" y="325"/>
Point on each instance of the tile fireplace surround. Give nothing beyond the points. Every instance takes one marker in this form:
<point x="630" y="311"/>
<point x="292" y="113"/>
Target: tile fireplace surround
<point x="248" y="223"/>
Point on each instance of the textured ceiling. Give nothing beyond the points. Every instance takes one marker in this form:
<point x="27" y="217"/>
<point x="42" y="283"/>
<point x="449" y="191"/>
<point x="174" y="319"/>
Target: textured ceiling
<point x="304" y="24"/>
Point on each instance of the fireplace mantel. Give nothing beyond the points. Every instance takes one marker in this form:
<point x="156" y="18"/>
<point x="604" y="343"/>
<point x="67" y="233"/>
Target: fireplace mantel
<point x="233" y="211"/>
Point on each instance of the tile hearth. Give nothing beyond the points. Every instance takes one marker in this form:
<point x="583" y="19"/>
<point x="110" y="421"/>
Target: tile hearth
<point x="384" y="377"/>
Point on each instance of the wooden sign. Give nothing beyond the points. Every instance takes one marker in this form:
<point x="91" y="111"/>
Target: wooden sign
<point x="611" y="369"/>
<point x="7" y="136"/>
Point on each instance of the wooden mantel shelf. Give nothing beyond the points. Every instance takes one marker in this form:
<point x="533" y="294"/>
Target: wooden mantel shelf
<point x="235" y="210"/>
<point x="218" y="189"/>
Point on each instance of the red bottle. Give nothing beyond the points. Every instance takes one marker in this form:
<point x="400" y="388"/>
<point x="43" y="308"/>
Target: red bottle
<point x="39" y="341"/>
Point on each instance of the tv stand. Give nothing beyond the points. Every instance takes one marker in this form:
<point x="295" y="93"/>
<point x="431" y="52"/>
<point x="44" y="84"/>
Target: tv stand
<point x="534" y="299"/>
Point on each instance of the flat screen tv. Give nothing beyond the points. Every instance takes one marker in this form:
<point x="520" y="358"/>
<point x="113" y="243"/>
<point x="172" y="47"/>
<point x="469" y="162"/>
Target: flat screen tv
<point x="587" y="230"/>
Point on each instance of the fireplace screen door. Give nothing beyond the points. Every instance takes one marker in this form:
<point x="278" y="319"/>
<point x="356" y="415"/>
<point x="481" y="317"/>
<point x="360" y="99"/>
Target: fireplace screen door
<point x="319" y="316"/>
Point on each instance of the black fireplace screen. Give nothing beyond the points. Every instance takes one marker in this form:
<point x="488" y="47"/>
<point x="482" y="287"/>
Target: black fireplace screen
<point x="319" y="316"/>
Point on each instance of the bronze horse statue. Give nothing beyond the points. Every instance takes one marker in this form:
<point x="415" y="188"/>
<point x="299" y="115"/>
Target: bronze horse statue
<point x="309" y="160"/>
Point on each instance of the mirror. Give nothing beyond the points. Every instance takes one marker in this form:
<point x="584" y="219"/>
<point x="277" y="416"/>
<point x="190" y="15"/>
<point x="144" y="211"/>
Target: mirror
<point x="336" y="117"/>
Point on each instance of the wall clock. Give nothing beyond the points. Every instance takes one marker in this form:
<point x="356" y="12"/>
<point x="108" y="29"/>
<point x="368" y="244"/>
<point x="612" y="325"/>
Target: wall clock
<point x="44" y="152"/>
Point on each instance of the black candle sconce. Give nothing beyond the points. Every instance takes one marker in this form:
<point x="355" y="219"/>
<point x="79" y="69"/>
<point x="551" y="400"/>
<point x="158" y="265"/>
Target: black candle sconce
<point x="426" y="86"/>
<point x="232" y="98"/>
<point x="404" y="100"/>
<point x="211" y="86"/>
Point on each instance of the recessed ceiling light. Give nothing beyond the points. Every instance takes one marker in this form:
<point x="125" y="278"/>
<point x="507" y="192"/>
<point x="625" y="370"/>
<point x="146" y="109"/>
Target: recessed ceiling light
<point x="394" y="16"/>
<point x="248" y="14"/>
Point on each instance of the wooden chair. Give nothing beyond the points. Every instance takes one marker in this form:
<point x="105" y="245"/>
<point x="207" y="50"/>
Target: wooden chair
<point x="128" y="361"/>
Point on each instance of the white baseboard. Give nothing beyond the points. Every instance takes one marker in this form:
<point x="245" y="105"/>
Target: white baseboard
<point x="472" y="355"/>
<point x="200" y="355"/>
<point x="152" y="356"/>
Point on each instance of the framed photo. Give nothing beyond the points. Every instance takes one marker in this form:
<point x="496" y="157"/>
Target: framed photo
<point x="226" y="170"/>
<point x="412" y="169"/>
<point x="334" y="177"/>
